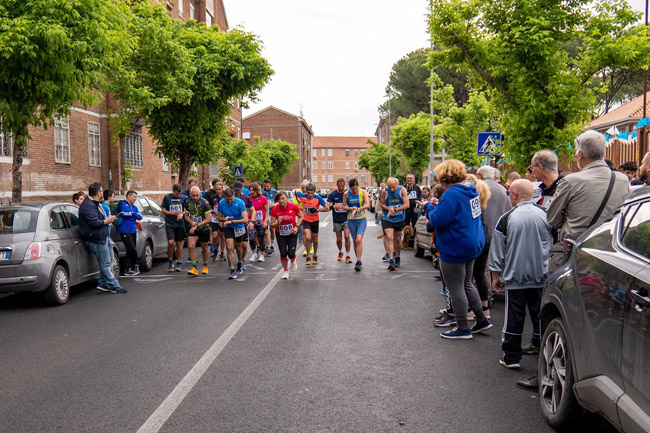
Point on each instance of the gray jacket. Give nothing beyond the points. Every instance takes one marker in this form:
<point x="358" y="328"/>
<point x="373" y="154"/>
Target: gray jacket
<point x="520" y="247"/>
<point x="497" y="205"/>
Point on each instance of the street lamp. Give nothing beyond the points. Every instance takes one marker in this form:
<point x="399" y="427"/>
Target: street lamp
<point x="390" y="159"/>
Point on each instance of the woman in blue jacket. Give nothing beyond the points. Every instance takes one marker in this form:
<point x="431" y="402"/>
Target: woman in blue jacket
<point x="129" y="213"/>
<point x="459" y="239"/>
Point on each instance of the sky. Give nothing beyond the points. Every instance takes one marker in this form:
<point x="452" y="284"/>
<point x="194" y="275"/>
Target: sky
<point x="332" y="60"/>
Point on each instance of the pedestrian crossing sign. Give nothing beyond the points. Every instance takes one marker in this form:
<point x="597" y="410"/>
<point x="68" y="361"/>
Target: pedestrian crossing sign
<point x="239" y="171"/>
<point x="488" y="143"/>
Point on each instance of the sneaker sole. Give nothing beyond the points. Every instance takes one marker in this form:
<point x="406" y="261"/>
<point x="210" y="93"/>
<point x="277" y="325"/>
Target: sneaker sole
<point x="456" y="337"/>
<point x="509" y="366"/>
<point x="104" y="289"/>
<point x="445" y="325"/>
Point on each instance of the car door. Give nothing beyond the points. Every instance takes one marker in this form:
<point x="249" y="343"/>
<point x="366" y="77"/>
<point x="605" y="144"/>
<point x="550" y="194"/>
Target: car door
<point x="635" y="365"/>
<point x="159" y="234"/>
<point x="87" y="263"/>
<point x="61" y="237"/>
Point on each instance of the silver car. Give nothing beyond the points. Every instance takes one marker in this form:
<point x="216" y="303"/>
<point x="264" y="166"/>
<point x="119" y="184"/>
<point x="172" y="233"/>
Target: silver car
<point x="41" y="250"/>
<point x="151" y="240"/>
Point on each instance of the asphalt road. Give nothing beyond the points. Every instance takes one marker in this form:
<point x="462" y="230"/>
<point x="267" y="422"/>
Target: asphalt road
<point x="329" y="350"/>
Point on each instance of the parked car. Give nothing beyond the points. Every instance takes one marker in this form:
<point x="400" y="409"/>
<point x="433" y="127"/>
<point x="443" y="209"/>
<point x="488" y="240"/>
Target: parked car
<point x="373" y="193"/>
<point x="324" y="192"/>
<point x="595" y="321"/>
<point x="41" y="250"/>
<point x="151" y="240"/>
<point x="422" y="241"/>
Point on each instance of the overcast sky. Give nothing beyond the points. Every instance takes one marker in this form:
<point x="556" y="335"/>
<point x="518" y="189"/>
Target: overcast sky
<point x="333" y="58"/>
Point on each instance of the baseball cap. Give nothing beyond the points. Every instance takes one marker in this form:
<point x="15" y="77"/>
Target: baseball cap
<point x="237" y="186"/>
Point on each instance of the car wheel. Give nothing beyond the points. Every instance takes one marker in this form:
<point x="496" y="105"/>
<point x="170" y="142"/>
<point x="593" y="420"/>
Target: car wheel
<point x="58" y="291"/>
<point x="146" y="262"/>
<point x="555" y="370"/>
<point x="115" y="269"/>
<point x="417" y="249"/>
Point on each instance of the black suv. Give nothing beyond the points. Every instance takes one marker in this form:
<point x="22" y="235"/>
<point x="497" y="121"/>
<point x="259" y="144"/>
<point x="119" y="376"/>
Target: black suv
<point x="595" y="348"/>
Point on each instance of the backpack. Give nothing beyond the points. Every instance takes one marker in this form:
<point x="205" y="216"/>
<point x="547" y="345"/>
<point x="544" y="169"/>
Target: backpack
<point x="118" y="222"/>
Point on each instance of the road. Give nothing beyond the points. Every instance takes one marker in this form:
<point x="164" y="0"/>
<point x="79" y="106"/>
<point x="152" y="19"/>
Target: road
<point x="329" y="350"/>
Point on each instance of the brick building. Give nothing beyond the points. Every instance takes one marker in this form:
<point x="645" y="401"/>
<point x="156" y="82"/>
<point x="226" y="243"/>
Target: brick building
<point x="273" y="123"/>
<point x="338" y="157"/>
<point x="72" y="153"/>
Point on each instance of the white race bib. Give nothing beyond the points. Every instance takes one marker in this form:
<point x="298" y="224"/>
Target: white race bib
<point x="175" y="207"/>
<point x="240" y="231"/>
<point x="196" y="219"/>
<point x="259" y="216"/>
<point x="286" y="229"/>
<point x="475" y="205"/>
<point x="397" y="212"/>
<point x="413" y="194"/>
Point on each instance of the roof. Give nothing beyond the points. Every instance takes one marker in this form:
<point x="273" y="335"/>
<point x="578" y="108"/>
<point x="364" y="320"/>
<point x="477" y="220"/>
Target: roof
<point x="631" y="111"/>
<point x="270" y="107"/>
<point x="345" y="142"/>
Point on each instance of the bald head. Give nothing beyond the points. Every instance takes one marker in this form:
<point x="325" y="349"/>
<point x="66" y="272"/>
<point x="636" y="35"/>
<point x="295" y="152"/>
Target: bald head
<point x="195" y="193"/>
<point x="521" y="190"/>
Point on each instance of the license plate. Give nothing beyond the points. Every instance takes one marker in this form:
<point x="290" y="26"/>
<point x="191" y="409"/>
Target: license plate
<point x="4" y="255"/>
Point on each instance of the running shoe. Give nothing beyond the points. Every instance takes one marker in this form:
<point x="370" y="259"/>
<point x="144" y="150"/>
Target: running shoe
<point x="340" y="257"/>
<point x="513" y="365"/>
<point x="233" y="275"/>
<point x="386" y="257"/>
<point x="243" y="265"/>
<point x="357" y="266"/>
<point x="314" y="260"/>
<point x="130" y="273"/>
<point x="530" y="349"/>
<point x="481" y="326"/>
<point x="103" y="289"/>
<point x="308" y="261"/>
<point x="457" y="334"/>
<point x="253" y="257"/>
<point x="443" y="291"/>
<point x="260" y="258"/>
<point x="222" y="257"/>
<point x="445" y="322"/>
<point x="179" y="266"/>
<point x="204" y="271"/>
<point x="391" y="265"/>
<point x="285" y="275"/>
<point x="170" y="268"/>
<point x="398" y="262"/>
<point x="119" y="290"/>
<point x="440" y="316"/>
<point x="193" y="271"/>
<point x="294" y="265"/>
<point x="272" y="248"/>
<point x="348" y="259"/>
<point x="239" y="268"/>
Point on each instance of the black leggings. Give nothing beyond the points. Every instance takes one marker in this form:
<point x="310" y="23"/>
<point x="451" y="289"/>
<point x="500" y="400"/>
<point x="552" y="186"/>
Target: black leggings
<point x="287" y="246"/>
<point x="482" y="283"/>
<point x="257" y="237"/>
<point x="131" y="258"/>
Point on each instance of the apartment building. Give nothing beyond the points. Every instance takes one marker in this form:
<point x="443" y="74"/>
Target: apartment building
<point x="277" y="124"/>
<point x="74" y="152"/>
<point x="338" y="157"/>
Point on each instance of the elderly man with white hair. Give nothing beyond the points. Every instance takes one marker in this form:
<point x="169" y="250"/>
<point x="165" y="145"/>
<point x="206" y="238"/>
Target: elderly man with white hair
<point x="582" y="198"/>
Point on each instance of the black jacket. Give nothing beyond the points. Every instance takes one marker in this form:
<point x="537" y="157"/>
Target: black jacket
<point x="91" y="222"/>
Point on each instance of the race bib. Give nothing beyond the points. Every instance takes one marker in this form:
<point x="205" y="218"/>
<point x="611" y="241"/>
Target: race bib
<point x="240" y="231"/>
<point x="413" y="194"/>
<point x="537" y="194"/>
<point x="475" y="205"/>
<point x="175" y="207"/>
<point x="311" y="211"/>
<point x="286" y="229"/>
<point x="196" y="219"/>
<point x="397" y="212"/>
<point x="259" y="216"/>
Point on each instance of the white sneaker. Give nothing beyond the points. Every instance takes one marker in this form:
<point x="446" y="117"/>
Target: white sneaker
<point x="285" y="275"/>
<point x="260" y="258"/>
<point x="253" y="257"/>
<point x="294" y="265"/>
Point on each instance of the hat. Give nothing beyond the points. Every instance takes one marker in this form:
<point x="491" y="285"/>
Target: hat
<point x="237" y="186"/>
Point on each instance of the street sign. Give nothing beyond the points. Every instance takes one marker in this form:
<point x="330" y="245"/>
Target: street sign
<point x="239" y="171"/>
<point x="488" y="143"/>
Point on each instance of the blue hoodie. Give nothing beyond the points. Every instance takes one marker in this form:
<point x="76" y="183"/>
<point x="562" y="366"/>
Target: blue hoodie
<point x="457" y="223"/>
<point x="129" y="214"/>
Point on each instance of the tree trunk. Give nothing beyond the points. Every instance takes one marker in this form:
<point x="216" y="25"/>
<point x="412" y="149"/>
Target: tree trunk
<point x="17" y="168"/>
<point x="184" y="166"/>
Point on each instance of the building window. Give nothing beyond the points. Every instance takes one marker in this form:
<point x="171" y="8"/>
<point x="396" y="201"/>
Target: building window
<point x="61" y="141"/>
<point x="7" y="144"/>
<point x="170" y="5"/>
<point x="347" y="152"/>
<point x="347" y="178"/>
<point x="323" y="165"/>
<point x="208" y="19"/>
<point x="180" y="8"/>
<point x="322" y="152"/>
<point x="165" y="164"/>
<point x="329" y="152"/>
<point x="330" y="165"/>
<point x="363" y="178"/>
<point x="356" y="166"/>
<point x="356" y="152"/>
<point x="94" y="145"/>
<point x="191" y="10"/>
<point x="133" y="148"/>
<point x="330" y="178"/>
<point x="323" y="177"/>
<point x="347" y="165"/>
<point x="214" y="169"/>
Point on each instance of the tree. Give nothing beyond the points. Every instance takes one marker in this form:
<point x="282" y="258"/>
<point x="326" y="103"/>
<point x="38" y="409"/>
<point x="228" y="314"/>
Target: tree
<point x="518" y="50"/>
<point x="282" y="156"/>
<point x="411" y="136"/>
<point x="228" y="65"/>
<point x="376" y="158"/>
<point x="614" y="87"/>
<point x="53" y="55"/>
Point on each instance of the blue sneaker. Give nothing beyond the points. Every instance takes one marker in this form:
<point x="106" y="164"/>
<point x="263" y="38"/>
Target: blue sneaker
<point x="391" y="265"/>
<point x="457" y="334"/>
<point x="397" y="262"/>
<point x="239" y="268"/>
<point x="357" y="266"/>
<point x="170" y="268"/>
<point x="385" y="258"/>
<point x="443" y="292"/>
<point x="481" y="326"/>
<point x="119" y="290"/>
<point x="233" y="275"/>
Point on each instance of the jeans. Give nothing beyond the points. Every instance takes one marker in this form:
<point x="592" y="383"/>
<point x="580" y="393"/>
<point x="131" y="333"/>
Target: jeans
<point x="104" y="254"/>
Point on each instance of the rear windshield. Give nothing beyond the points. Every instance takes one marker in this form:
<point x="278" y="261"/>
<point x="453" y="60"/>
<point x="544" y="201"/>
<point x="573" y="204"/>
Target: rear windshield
<point x="17" y="221"/>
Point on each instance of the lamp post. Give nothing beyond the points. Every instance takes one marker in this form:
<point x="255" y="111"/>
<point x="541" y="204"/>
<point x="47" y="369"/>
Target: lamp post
<point x="430" y="175"/>
<point x="390" y="157"/>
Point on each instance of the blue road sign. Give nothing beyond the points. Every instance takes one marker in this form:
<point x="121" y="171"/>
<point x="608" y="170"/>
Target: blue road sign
<point x="488" y="143"/>
<point x="239" y="171"/>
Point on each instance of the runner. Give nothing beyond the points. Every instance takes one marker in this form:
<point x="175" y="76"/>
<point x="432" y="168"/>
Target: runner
<point x="234" y="216"/>
<point x="286" y="219"/>
<point x="258" y="222"/>
<point x="172" y="207"/>
<point x="310" y="204"/>
<point x="213" y="197"/>
<point x="270" y="193"/>
<point x="238" y="190"/>
<point x="340" y="219"/>
<point x="356" y="202"/>
<point x="297" y="202"/>
<point x="394" y="201"/>
<point x="197" y="215"/>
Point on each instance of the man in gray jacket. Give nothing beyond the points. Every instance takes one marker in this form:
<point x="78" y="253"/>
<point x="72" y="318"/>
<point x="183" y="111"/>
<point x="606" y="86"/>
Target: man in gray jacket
<point x="519" y="263"/>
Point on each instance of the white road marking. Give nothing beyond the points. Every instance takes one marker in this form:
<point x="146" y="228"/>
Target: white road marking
<point x="150" y="279"/>
<point x="157" y="419"/>
<point x="323" y="224"/>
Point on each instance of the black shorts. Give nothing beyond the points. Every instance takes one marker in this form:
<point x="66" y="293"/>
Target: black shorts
<point x="203" y="235"/>
<point x="216" y="227"/>
<point x="176" y="234"/>
<point x="310" y="225"/>
<point x="398" y="227"/>
<point x="229" y="232"/>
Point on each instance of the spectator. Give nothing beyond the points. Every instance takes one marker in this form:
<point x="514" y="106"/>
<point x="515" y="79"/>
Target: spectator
<point x="78" y="197"/>
<point x="512" y="177"/>
<point x="519" y="258"/>
<point x="129" y="213"/>
<point x="93" y="227"/>
<point x="529" y="174"/>
<point x="544" y="166"/>
<point x="629" y="168"/>
<point x="414" y="194"/>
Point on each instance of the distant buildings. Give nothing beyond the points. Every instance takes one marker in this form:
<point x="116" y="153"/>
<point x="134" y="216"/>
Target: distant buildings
<point x="338" y="157"/>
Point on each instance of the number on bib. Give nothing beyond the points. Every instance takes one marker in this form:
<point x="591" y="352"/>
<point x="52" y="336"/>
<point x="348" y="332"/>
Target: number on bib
<point x="259" y="216"/>
<point x="475" y="204"/>
<point x="175" y="207"/>
<point x="286" y="229"/>
<point x="196" y="219"/>
<point x="240" y="231"/>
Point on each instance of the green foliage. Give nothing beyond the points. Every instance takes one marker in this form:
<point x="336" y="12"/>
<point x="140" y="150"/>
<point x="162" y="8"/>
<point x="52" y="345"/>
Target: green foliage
<point x="523" y="52"/>
<point x="282" y="155"/>
<point x="376" y="158"/>
<point x="412" y="137"/>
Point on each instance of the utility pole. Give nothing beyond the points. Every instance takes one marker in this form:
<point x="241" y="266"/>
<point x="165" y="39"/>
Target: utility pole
<point x="390" y="158"/>
<point x="429" y="175"/>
